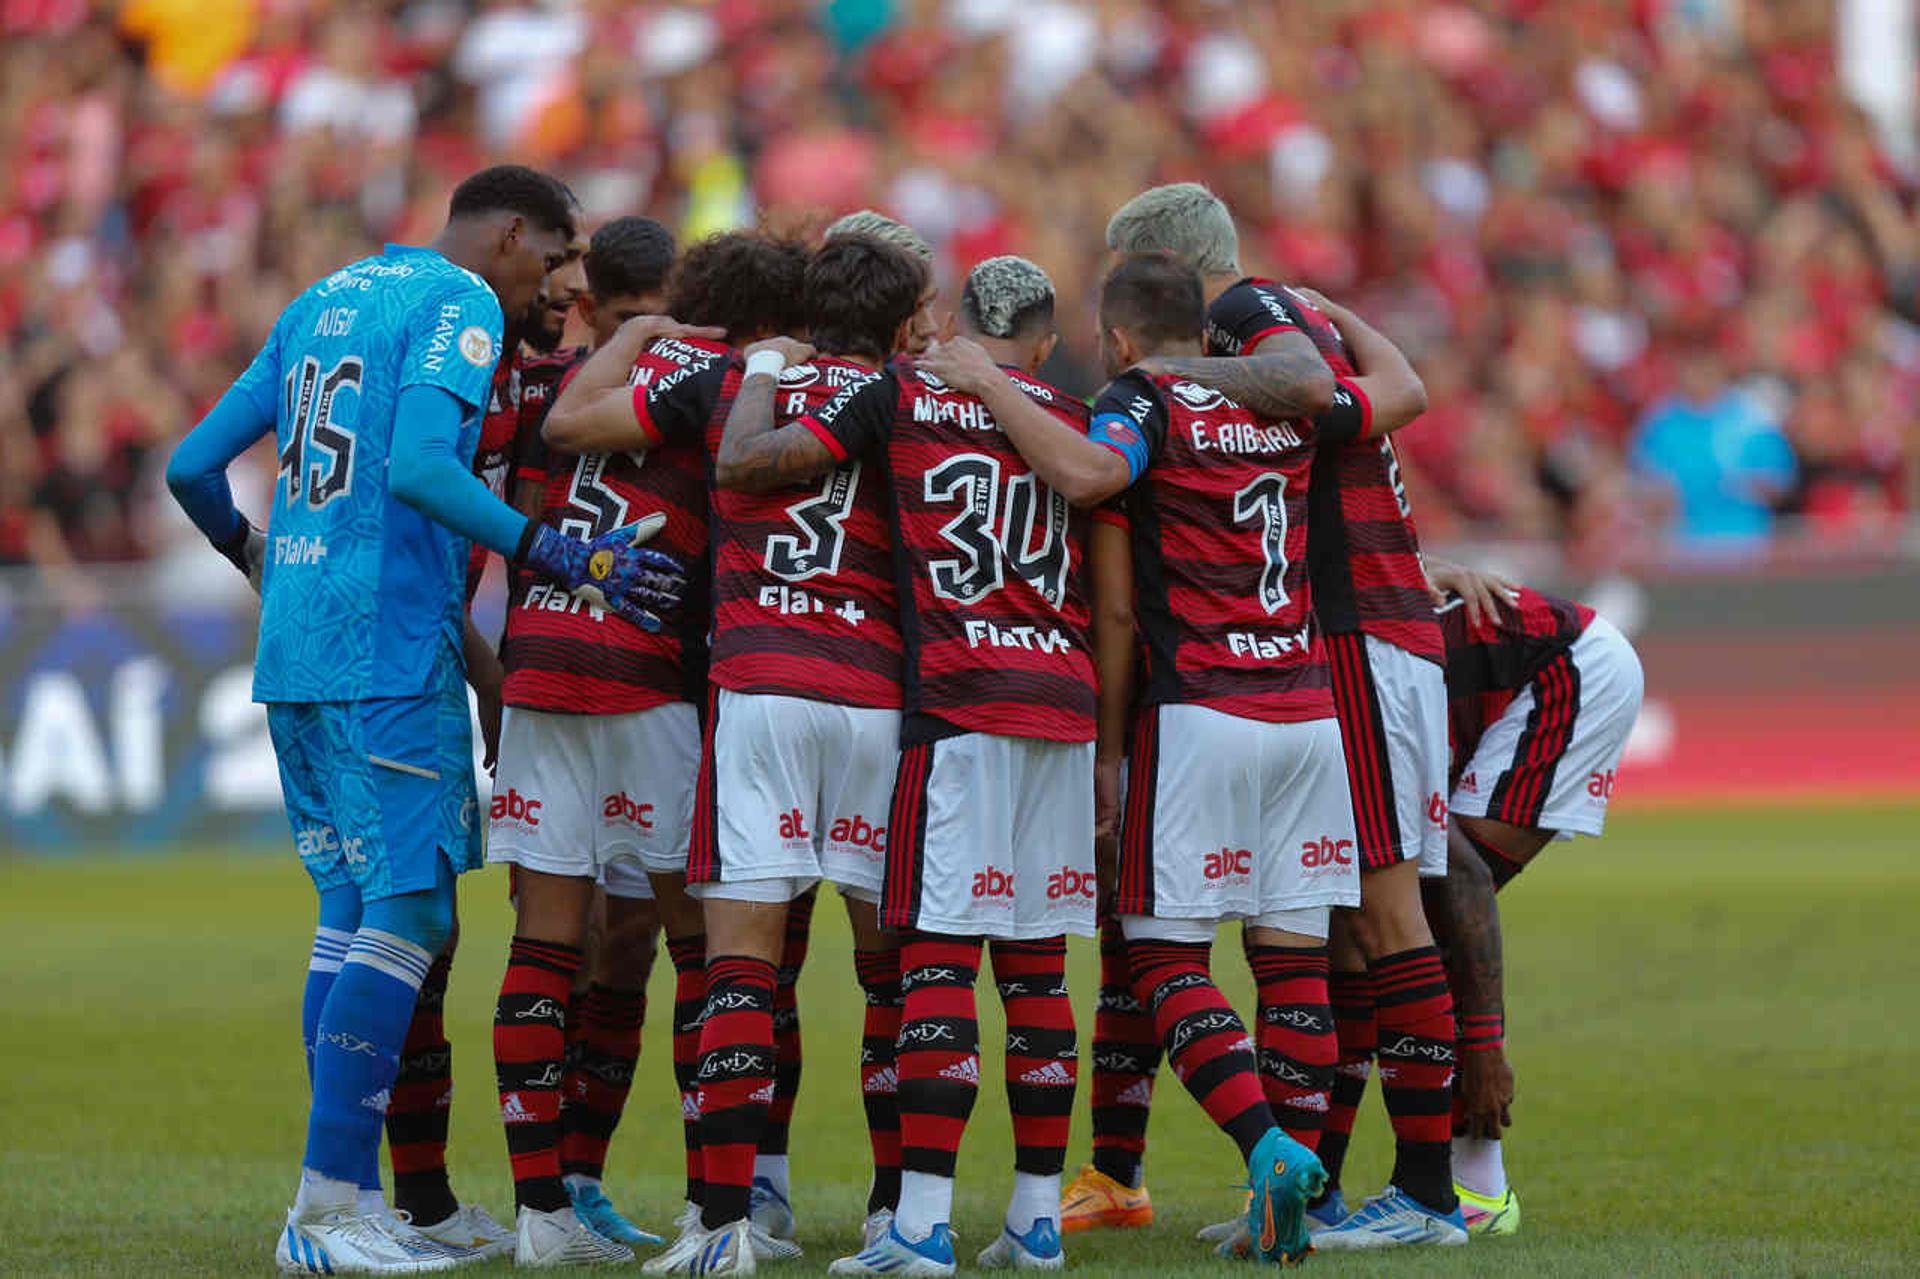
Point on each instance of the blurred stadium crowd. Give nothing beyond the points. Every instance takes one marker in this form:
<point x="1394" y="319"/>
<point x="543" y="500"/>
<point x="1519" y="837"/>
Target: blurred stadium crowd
<point x="1657" y="269"/>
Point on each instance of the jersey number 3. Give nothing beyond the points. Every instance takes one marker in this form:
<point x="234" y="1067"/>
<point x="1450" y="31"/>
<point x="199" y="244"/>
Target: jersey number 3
<point x="823" y="535"/>
<point x="318" y="456"/>
<point x="1264" y="501"/>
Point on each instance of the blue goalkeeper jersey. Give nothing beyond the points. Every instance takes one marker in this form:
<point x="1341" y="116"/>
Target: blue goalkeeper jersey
<point x="363" y="595"/>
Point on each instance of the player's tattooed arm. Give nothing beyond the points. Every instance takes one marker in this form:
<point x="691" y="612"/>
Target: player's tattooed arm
<point x="594" y="412"/>
<point x="1285" y="378"/>
<point x="1385" y="376"/>
<point x="1469" y="930"/>
<point x="1070" y="464"/>
<point x="756" y="456"/>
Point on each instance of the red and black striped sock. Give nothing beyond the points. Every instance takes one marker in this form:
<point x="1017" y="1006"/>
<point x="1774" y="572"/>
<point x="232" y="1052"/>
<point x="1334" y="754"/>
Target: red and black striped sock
<point x="1206" y="1043"/>
<point x="1298" y="1048"/>
<point x="938" y="1051"/>
<point x="879" y="973"/>
<point x="603" y="1046"/>
<point x="735" y="1081"/>
<point x="1043" y="1055"/>
<point x="529" y="1039"/>
<point x="1126" y="1057"/>
<point x="786" y="1025"/>
<point x="1414" y="1009"/>
<point x="689" y="956"/>
<point x="421" y="1100"/>
<point x="1350" y="994"/>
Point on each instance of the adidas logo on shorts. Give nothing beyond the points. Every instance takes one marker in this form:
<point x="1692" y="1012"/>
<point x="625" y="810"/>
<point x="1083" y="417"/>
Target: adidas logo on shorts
<point x="966" y="1070"/>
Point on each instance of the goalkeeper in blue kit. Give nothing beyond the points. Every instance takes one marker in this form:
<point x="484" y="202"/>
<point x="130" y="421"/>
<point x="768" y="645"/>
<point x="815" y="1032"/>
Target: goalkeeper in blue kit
<point x="373" y="382"/>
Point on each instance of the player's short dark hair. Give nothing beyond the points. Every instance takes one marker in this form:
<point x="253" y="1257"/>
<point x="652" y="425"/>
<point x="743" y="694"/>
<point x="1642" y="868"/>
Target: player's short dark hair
<point x="859" y="291"/>
<point x="1154" y="296"/>
<point x="538" y="197"/>
<point x="628" y="256"/>
<point x="741" y="281"/>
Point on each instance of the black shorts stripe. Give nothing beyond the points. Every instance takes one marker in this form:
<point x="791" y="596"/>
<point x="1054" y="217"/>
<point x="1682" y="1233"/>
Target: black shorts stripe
<point x="1519" y="796"/>
<point x="907" y="838"/>
<point x="703" y="840"/>
<point x="1134" y="895"/>
<point x="1363" y="734"/>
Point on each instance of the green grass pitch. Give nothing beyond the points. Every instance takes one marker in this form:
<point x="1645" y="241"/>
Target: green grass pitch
<point x="1713" y="1017"/>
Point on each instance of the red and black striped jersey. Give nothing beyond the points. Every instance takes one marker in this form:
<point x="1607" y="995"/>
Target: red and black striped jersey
<point x="1489" y="663"/>
<point x="1363" y="553"/>
<point x="1219" y="526"/>
<point x="988" y="561"/>
<point x="493" y="455"/>
<point x="564" y="655"/>
<point x="803" y="593"/>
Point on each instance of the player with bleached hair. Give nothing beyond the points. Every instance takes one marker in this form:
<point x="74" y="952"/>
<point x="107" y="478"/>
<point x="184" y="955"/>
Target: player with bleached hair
<point x="1282" y="352"/>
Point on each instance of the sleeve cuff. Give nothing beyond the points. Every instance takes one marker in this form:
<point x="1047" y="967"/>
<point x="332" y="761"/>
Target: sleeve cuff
<point x="826" y="437"/>
<point x="1349" y="417"/>
<point x="1107" y="515"/>
<point x="1252" y="344"/>
<point x="643" y="417"/>
<point x="1366" y="405"/>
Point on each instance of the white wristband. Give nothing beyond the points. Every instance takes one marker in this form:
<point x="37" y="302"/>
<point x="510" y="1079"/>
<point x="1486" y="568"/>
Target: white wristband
<point x="767" y="362"/>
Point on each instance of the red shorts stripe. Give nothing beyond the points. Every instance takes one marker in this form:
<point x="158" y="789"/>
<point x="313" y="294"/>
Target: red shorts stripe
<point x="907" y="838"/>
<point x="1363" y="734"/>
<point x="1134" y="894"/>
<point x="1519" y="796"/>
<point x="703" y="843"/>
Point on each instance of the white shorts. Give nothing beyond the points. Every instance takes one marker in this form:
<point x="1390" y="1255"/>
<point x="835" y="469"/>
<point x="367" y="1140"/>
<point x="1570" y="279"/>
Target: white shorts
<point x="1232" y="818"/>
<point x="992" y="837"/>
<point x="1310" y="921"/>
<point x="602" y="796"/>
<point x="1539" y="767"/>
<point x="1392" y="708"/>
<point x="793" y="790"/>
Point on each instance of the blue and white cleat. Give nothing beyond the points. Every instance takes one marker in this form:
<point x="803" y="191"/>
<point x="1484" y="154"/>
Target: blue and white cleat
<point x="1037" y="1249"/>
<point x="591" y="1205"/>
<point x="1330" y="1213"/>
<point x="1283" y="1175"/>
<point x="773" y="1223"/>
<point x="892" y="1254"/>
<point x="1392" y="1219"/>
<point x="347" y="1241"/>
<point x="724" y="1250"/>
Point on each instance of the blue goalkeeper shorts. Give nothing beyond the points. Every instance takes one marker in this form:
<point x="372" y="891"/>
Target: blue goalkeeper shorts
<point x="377" y="790"/>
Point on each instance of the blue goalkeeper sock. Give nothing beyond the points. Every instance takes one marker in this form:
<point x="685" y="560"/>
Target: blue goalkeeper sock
<point x="339" y="917"/>
<point x="363" y="1026"/>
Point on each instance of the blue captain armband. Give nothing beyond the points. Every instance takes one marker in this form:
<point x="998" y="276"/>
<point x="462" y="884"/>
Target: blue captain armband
<point x="1122" y="434"/>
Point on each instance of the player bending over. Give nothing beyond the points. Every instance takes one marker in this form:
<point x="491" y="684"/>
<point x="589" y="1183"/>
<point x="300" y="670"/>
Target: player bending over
<point x="1384" y="651"/>
<point x="1542" y="695"/>
<point x="373" y="381"/>
<point x="991" y="826"/>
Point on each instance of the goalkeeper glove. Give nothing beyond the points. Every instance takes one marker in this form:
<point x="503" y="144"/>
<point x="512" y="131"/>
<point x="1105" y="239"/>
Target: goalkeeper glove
<point x="246" y="550"/>
<point x="611" y="571"/>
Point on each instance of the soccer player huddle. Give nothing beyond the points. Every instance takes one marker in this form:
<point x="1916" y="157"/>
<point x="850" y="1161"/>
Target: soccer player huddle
<point x="809" y="586"/>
